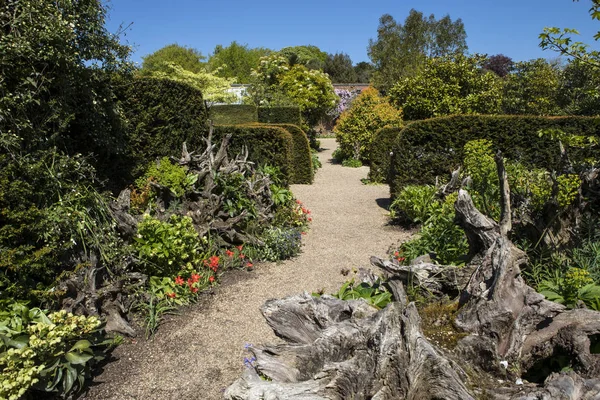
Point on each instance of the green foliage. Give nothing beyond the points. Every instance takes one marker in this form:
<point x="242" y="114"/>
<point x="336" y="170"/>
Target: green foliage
<point x="574" y="286"/>
<point x="236" y="61"/>
<point x="577" y="90"/>
<point x="400" y="50"/>
<point x="276" y="83"/>
<point x="280" y="244"/>
<point x="170" y="175"/>
<point x="279" y="115"/>
<point x="58" y="64"/>
<point x="417" y="203"/>
<point x="445" y="86"/>
<point x="439" y="236"/>
<point x="479" y="164"/>
<point x="426" y="149"/>
<point x="161" y="115"/>
<point x="356" y="128"/>
<point x="380" y="154"/>
<point x="47" y="352"/>
<point x="376" y="294"/>
<point x="49" y="210"/>
<point x="339" y="68"/>
<point x="187" y="58"/>
<point x="363" y="70"/>
<point x="233" y="114"/>
<point x="281" y="196"/>
<point x="352" y="163"/>
<point x="168" y="248"/>
<point x="267" y="145"/>
<point x="309" y="56"/>
<point x="214" y="88"/>
<point x="316" y="163"/>
<point x="302" y="168"/>
<point x="230" y="186"/>
<point x="531" y="89"/>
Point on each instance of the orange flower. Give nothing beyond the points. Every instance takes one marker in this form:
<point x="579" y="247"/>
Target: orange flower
<point x="171" y="295"/>
<point x="249" y="265"/>
<point x="229" y="253"/>
<point x="179" y="281"/>
<point x="194" y="289"/>
<point x="195" y="278"/>
<point x="211" y="279"/>
<point x="240" y="247"/>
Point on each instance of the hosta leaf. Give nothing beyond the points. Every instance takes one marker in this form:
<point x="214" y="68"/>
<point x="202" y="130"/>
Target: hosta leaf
<point x="78" y="358"/>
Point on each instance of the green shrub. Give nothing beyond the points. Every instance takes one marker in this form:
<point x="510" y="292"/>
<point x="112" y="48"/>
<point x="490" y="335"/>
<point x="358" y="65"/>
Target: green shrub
<point x="47" y="352"/>
<point x="573" y="286"/>
<point x="279" y="115"/>
<point x="417" y="203"/>
<point x="233" y="114"/>
<point x="316" y="163"/>
<point x="435" y="147"/>
<point x="352" y="163"/>
<point x="267" y="145"/>
<point x="167" y="174"/>
<point x="161" y="114"/>
<point x="168" y="248"/>
<point x="379" y="156"/>
<point x="280" y="244"/>
<point x="355" y="129"/>
<point x="302" y="169"/>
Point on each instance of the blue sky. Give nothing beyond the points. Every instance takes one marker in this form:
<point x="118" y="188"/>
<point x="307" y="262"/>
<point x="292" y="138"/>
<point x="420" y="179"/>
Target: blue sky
<point x="510" y="27"/>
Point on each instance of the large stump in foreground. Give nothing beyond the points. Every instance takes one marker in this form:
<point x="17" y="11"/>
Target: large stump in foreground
<point x="346" y="350"/>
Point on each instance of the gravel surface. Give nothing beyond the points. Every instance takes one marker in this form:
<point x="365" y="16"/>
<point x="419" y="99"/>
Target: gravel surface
<point x="200" y="352"/>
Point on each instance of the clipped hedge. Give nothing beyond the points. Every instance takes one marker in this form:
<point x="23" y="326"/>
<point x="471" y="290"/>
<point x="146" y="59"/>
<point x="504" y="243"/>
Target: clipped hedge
<point x="233" y="114"/>
<point x="434" y="147"/>
<point x="160" y="115"/>
<point x="302" y="168"/>
<point x="379" y="154"/>
<point x="266" y="144"/>
<point x="279" y="115"/>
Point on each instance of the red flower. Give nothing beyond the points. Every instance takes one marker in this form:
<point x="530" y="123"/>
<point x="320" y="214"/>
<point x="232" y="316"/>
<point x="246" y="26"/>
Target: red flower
<point x="195" y="278"/>
<point x="240" y="247"/>
<point x="298" y="201"/>
<point x="214" y="262"/>
<point x="309" y="219"/>
<point x="179" y="280"/>
<point x="304" y="233"/>
<point x="249" y="265"/>
<point x="194" y="289"/>
<point x="242" y="256"/>
<point x="171" y="295"/>
<point x="211" y="279"/>
<point x="229" y="253"/>
<point x="304" y="210"/>
<point x="396" y="254"/>
<point x="401" y="259"/>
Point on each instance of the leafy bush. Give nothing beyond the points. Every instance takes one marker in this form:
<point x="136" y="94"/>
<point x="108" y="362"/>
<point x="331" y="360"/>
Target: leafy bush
<point x="417" y="203"/>
<point x="168" y="248"/>
<point x="380" y="155"/>
<point x="167" y="174"/>
<point x="446" y="86"/>
<point x="316" y="163"/>
<point x="47" y="352"/>
<point x="356" y="128"/>
<point x="376" y="294"/>
<point x="279" y="115"/>
<point x="233" y="114"/>
<point x="50" y="217"/>
<point x="161" y="114"/>
<point x="576" y="285"/>
<point x="430" y="148"/>
<point x="231" y="187"/>
<point x="439" y="236"/>
<point x="352" y="163"/>
<point x="280" y="244"/>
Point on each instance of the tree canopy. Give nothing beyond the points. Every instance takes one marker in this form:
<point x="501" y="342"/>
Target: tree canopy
<point x="339" y="68"/>
<point x="187" y="58"/>
<point x="236" y="61"/>
<point x="310" y="56"/>
<point x="400" y="50"/>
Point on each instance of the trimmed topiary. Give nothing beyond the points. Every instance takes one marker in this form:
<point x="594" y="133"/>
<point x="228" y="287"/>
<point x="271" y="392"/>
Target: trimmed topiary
<point x="302" y="168"/>
<point x="233" y="114"/>
<point x="434" y="147"/>
<point x="279" y="115"/>
<point x="161" y="114"/>
<point x="380" y="154"/>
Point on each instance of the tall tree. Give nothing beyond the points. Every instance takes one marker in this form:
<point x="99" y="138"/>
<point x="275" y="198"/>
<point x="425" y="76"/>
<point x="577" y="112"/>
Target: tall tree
<point x="400" y="50"/>
<point x="339" y="68"/>
<point x="187" y="58"/>
<point x="363" y="70"/>
<point x="499" y="64"/>
<point x="236" y="61"/>
<point x="310" y="56"/>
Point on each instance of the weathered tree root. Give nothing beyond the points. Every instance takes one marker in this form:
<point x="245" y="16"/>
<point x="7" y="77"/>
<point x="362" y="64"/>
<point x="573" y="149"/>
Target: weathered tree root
<point x="343" y="350"/>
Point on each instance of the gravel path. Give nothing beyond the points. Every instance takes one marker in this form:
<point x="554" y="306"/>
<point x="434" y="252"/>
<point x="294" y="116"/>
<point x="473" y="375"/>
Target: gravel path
<point x="200" y="352"/>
